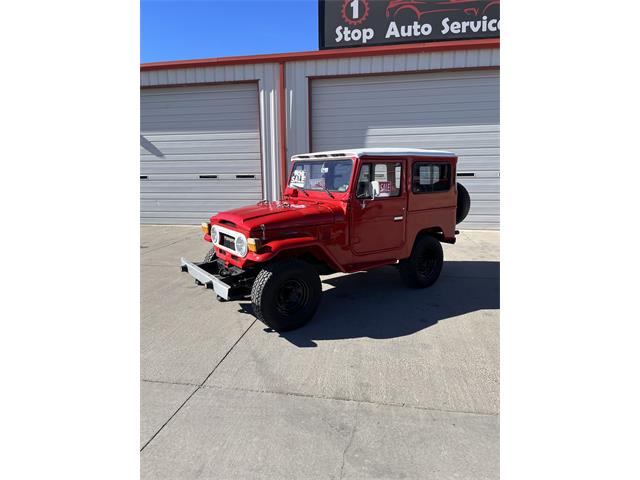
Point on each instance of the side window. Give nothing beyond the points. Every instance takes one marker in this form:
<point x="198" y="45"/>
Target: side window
<point x="388" y="176"/>
<point x="431" y="177"/>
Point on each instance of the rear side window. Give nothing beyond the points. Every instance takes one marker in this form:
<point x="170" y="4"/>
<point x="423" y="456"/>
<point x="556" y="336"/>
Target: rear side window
<point x="431" y="177"/>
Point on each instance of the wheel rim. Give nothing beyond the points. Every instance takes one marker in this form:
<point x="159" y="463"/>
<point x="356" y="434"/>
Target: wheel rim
<point x="426" y="265"/>
<point x="292" y="296"/>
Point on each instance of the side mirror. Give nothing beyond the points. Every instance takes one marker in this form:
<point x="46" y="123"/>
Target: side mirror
<point x="375" y="189"/>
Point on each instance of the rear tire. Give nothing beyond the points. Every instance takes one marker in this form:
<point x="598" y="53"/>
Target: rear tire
<point x="286" y="294"/>
<point x="423" y="267"/>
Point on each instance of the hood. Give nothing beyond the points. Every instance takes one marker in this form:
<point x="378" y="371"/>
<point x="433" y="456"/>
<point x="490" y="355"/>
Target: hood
<point x="277" y="215"/>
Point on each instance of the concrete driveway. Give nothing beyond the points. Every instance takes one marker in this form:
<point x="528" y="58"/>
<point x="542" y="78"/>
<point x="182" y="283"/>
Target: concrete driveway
<point x="385" y="382"/>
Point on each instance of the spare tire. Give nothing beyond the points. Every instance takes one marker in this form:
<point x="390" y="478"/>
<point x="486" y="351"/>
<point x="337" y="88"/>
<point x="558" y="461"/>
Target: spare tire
<point x="464" y="203"/>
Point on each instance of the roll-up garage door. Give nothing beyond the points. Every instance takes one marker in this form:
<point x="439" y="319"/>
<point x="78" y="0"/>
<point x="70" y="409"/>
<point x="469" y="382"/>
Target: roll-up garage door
<point x="199" y="151"/>
<point x="457" y="111"/>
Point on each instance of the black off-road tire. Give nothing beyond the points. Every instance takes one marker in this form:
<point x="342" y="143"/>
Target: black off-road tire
<point x="423" y="267"/>
<point x="210" y="256"/>
<point x="464" y="203"/>
<point x="286" y="294"/>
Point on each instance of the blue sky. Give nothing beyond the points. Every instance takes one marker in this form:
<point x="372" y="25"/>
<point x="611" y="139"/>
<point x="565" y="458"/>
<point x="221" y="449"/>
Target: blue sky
<point x="182" y="30"/>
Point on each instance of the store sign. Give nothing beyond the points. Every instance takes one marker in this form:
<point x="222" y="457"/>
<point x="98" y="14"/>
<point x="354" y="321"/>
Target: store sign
<point x="358" y="23"/>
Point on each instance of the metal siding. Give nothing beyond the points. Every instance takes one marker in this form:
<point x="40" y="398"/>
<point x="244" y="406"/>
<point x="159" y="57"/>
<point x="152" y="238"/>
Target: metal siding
<point x="457" y="111"/>
<point x="266" y="75"/>
<point x="191" y="131"/>
<point x="299" y="72"/>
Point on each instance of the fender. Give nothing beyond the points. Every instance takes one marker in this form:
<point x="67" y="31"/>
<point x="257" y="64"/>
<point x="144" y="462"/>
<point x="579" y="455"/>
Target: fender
<point x="270" y="250"/>
<point x="438" y="232"/>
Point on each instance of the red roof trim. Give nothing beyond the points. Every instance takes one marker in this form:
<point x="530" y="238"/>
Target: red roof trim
<point x="323" y="54"/>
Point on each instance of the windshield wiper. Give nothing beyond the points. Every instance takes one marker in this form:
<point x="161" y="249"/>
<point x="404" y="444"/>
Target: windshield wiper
<point x="302" y="190"/>
<point x="328" y="192"/>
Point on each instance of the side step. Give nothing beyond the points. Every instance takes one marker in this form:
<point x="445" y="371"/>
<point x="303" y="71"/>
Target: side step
<point x="208" y="279"/>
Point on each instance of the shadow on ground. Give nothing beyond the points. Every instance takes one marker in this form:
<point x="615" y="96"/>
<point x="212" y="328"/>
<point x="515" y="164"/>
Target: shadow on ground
<point x="377" y="305"/>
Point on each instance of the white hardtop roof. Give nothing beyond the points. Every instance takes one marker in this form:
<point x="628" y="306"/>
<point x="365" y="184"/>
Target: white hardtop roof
<point x="361" y="152"/>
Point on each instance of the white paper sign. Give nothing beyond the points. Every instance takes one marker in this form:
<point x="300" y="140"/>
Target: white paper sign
<point x="298" y="178"/>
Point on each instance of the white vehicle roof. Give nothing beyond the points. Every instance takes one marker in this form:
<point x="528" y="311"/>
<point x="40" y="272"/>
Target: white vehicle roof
<point x="361" y="152"/>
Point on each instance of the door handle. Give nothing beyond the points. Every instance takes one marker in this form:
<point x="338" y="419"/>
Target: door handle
<point x="398" y="218"/>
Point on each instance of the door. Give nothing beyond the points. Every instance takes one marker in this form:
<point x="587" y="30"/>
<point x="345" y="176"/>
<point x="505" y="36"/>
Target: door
<point x="378" y="214"/>
<point x="457" y="111"/>
<point x="199" y="151"/>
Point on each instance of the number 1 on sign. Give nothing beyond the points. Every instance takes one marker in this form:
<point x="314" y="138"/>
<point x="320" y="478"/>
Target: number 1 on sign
<point x="355" y="9"/>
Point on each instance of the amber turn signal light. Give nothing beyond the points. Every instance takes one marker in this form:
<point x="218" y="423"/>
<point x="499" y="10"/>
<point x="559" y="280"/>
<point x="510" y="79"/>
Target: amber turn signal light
<point x="205" y="228"/>
<point x="254" y="244"/>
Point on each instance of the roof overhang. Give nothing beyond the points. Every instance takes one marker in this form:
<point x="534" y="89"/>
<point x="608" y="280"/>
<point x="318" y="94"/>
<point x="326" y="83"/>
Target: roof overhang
<point x="327" y="54"/>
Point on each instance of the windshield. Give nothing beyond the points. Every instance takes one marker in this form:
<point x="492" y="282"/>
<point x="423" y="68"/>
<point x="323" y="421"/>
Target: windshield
<point x="332" y="175"/>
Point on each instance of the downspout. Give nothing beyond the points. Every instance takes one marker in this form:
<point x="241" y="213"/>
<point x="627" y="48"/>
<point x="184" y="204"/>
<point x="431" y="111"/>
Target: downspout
<point x="282" y="125"/>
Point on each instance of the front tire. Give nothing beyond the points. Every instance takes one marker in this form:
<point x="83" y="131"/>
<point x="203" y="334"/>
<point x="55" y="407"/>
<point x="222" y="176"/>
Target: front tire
<point x="210" y="256"/>
<point x="423" y="267"/>
<point x="286" y="294"/>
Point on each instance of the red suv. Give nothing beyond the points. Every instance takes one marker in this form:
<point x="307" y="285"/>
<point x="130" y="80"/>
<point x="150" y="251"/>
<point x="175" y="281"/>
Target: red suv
<point x="342" y="211"/>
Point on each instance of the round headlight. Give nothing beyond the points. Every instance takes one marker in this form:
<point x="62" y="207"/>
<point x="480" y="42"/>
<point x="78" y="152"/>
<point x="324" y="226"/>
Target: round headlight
<point x="241" y="246"/>
<point x="215" y="235"/>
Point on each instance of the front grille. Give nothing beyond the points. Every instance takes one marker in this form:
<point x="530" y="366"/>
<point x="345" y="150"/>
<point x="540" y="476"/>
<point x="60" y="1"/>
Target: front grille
<point x="227" y="241"/>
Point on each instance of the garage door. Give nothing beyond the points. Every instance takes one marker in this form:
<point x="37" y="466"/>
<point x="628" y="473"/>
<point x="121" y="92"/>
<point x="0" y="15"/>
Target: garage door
<point x="199" y="151"/>
<point x="457" y="111"/>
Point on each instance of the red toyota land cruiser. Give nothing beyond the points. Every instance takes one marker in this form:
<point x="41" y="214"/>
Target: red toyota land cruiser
<point x="342" y="211"/>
